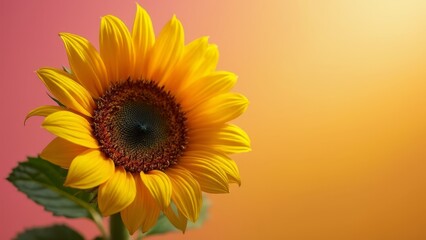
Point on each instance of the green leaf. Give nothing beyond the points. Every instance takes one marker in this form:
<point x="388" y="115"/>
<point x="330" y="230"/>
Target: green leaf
<point x="164" y="226"/>
<point x="50" y="233"/>
<point x="43" y="182"/>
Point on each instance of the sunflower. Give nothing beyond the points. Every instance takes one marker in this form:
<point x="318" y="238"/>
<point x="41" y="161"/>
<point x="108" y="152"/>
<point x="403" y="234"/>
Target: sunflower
<point x="144" y="120"/>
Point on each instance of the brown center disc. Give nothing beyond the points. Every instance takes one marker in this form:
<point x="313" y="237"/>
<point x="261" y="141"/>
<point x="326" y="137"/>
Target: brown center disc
<point x="140" y="126"/>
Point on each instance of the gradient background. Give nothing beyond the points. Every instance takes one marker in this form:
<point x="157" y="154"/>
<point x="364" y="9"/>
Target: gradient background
<point x="337" y="115"/>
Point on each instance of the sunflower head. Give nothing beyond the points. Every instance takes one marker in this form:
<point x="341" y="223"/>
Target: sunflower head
<point x="144" y="120"/>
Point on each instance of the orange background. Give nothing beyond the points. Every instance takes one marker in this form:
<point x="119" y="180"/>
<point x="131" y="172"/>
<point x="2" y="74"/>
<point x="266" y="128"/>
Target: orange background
<point x="337" y="115"/>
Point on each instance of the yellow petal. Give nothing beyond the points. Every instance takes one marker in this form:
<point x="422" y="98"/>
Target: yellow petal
<point x="167" y="50"/>
<point x="177" y="219"/>
<point x="211" y="177"/>
<point x="117" y="193"/>
<point x="72" y="127"/>
<point x="43" y="111"/>
<point x="89" y="169"/>
<point x="61" y="152"/>
<point x="218" y="110"/>
<point x="186" y="192"/>
<point x="86" y="63"/>
<point x="159" y="185"/>
<point x="189" y="63"/>
<point x="143" y="211"/>
<point x="199" y="66"/>
<point x="208" y="87"/>
<point x="219" y="159"/>
<point x="230" y="168"/>
<point x="67" y="91"/>
<point x="143" y="40"/>
<point x="228" y="139"/>
<point x="116" y="49"/>
<point x="211" y="58"/>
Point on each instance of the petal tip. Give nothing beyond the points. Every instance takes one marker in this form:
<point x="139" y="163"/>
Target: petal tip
<point x="68" y="182"/>
<point x="175" y="21"/>
<point x="140" y="8"/>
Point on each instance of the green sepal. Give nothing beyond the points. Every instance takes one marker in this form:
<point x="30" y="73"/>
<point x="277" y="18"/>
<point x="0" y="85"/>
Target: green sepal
<point x="164" y="226"/>
<point x="56" y="101"/>
<point x="43" y="181"/>
<point x="62" y="232"/>
<point x="66" y="69"/>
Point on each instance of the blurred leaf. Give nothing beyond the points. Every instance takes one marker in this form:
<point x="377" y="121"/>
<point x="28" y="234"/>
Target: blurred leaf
<point x="54" y="232"/>
<point x="43" y="181"/>
<point x="164" y="226"/>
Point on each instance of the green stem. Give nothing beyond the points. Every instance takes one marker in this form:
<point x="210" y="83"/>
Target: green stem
<point x="117" y="229"/>
<point x="98" y="221"/>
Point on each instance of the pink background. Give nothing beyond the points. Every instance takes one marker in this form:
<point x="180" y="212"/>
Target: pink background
<point x="337" y="115"/>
